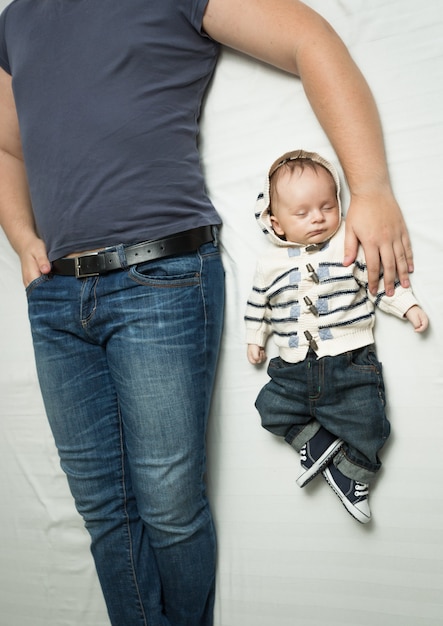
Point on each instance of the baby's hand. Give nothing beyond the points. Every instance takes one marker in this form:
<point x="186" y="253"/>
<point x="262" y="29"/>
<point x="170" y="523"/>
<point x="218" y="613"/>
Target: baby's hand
<point x="418" y="318"/>
<point x="256" y="354"/>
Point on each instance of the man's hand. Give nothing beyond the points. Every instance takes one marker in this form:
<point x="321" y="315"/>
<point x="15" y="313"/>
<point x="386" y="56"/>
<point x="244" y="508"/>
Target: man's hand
<point x="34" y="261"/>
<point x="378" y="224"/>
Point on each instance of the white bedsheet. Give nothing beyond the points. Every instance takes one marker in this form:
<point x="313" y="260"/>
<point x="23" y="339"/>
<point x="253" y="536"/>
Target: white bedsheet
<point x="286" y="556"/>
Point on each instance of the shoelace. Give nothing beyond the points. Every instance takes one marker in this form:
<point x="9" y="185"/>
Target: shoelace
<point x="303" y="455"/>
<point x="361" y="490"/>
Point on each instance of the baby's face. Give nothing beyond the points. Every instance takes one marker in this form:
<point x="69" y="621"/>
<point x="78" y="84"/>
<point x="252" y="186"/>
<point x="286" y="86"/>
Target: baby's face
<point x="305" y="209"/>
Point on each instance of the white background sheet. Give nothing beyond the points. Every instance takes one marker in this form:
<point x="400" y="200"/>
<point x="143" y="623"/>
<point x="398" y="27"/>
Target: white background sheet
<point x="287" y="556"/>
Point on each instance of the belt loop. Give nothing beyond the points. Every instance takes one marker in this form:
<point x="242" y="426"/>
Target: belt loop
<point x="120" y="249"/>
<point x="215" y="235"/>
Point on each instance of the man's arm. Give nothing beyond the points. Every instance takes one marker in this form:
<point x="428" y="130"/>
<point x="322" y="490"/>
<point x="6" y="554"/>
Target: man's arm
<point x="16" y="217"/>
<point x="293" y="37"/>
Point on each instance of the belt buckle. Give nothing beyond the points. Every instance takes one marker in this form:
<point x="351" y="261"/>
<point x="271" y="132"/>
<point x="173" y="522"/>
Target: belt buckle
<point x="79" y="272"/>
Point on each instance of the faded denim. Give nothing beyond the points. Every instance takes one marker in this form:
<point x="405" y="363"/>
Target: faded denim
<point x="126" y="364"/>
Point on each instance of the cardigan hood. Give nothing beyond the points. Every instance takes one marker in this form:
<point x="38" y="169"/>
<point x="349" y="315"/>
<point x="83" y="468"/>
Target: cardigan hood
<point x="262" y="206"/>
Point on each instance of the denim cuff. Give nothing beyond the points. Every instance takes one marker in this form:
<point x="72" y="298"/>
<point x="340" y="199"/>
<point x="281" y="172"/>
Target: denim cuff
<point x="353" y="470"/>
<point x="297" y="438"/>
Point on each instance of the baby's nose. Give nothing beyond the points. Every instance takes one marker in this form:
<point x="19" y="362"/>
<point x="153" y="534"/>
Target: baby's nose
<point x="316" y="215"/>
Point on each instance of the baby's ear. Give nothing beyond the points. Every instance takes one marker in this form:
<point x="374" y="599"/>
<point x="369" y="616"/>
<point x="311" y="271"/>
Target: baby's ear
<point x="276" y="226"/>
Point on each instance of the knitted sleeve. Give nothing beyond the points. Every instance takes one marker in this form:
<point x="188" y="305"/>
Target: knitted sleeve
<point x="258" y="313"/>
<point x="396" y="305"/>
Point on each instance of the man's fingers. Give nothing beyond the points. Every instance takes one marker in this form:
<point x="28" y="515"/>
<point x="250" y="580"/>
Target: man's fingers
<point x="44" y="264"/>
<point x="373" y="265"/>
<point x="402" y="264"/>
<point x="351" y="246"/>
<point x="407" y="246"/>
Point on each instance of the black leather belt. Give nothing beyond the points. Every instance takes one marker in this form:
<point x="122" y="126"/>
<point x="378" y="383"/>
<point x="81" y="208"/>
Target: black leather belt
<point x="109" y="260"/>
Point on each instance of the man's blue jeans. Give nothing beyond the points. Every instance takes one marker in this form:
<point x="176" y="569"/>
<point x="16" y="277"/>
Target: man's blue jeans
<point x="126" y="365"/>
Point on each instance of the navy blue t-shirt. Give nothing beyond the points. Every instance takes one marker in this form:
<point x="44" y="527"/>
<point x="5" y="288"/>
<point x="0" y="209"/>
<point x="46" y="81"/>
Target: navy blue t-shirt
<point x="108" y="94"/>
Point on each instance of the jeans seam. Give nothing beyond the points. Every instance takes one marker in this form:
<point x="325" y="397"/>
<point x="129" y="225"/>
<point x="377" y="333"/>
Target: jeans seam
<point x="85" y="320"/>
<point x="131" y="550"/>
<point x="202" y="292"/>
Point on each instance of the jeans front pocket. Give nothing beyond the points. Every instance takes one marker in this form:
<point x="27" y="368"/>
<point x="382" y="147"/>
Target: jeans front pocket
<point x="43" y="278"/>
